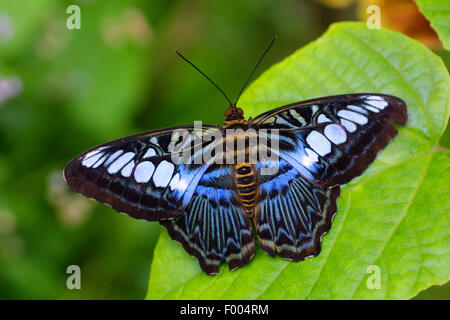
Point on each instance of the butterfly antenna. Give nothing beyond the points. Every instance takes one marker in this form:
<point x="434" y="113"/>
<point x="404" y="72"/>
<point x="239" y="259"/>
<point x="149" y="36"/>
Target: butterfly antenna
<point x="256" y="67"/>
<point x="215" y="85"/>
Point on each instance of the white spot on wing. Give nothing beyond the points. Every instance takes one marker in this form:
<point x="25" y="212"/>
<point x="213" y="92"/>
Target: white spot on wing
<point x="319" y="143"/>
<point x="126" y="171"/>
<point x="163" y="174"/>
<point x="149" y="153"/>
<point x="377" y="102"/>
<point x="113" y="157"/>
<point x="335" y="133"/>
<point x="353" y="116"/>
<point x="350" y="126"/>
<point x="314" y="157"/>
<point x="370" y="108"/>
<point x="144" y="171"/>
<point x="182" y="185"/>
<point x="375" y="98"/>
<point x="174" y="182"/>
<point x="99" y="162"/>
<point x="93" y="152"/>
<point x="357" y="109"/>
<point x="310" y="159"/>
<point x="89" y="161"/>
<point x="154" y="141"/>
<point x="323" y="118"/>
<point x="120" y="162"/>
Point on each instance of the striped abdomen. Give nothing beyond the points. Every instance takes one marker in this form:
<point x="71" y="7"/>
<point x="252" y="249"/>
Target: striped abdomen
<point x="246" y="184"/>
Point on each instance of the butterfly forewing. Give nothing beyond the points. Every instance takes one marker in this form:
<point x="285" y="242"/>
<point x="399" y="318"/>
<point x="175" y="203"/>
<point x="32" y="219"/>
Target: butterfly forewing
<point x="332" y="140"/>
<point x="137" y="175"/>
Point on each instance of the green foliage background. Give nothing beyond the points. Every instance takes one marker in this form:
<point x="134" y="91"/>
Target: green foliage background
<point x="116" y="76"/>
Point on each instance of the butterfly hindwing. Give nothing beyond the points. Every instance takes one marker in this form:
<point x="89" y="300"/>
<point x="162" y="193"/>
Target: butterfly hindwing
<point x="137" y="175"/>
<point x="294" y="213"/>
<point x="213" y="226"/>
<point x="332" y="140"/>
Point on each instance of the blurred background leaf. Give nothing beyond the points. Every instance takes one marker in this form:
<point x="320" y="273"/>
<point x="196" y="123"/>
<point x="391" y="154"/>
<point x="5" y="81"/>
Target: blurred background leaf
<point x="438" y="13"/>
<point x="63" y="91"/>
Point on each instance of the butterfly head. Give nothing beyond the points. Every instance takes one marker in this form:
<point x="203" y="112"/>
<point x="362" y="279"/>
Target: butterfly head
<point x="232" y="113"/>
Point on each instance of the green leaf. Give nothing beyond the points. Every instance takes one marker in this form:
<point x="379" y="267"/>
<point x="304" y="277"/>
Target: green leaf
<point x="438" y="13"/>
<point x="395" y="216"/>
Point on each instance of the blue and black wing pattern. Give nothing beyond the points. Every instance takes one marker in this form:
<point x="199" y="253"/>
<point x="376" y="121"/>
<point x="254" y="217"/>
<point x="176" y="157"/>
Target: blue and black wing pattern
<point x="210" y="208"/>
<point x="334" y="139"/>
<point x="322" y="143"/>
<point x="294" y="213"/>
<point x="213" y="226"/>
<point x="136" y="175"/>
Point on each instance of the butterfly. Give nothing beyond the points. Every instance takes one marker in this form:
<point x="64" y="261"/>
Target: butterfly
<point x="213" y="208"/>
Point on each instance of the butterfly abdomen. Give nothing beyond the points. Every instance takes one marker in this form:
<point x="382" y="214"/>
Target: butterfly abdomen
<point x="246" y="184"/>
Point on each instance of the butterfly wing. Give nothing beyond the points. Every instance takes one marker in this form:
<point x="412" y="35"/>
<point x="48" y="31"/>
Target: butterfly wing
<point x="334" y="139"/>
<point x="213" y="226"/>
<point x="294" y="213"/>
<point x="137" y="175"/>
<point x="322" y="143"/>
